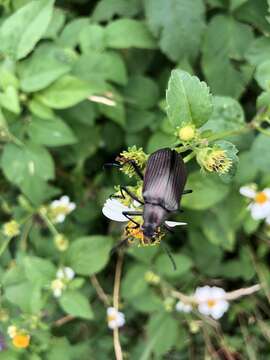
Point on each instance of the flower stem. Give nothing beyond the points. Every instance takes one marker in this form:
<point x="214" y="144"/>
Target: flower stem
<point x="5" y="245"/>
<point x="48" y="222"/>
<point x="189" y="157"/>
<point x="228" y="133"/>
<point x="116" y="290"/>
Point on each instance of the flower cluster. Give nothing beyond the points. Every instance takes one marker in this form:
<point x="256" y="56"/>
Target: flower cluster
<point x="115" y="318"/>
<point x="63" y="277"/>
<point x="210" y="301"/>
<point x="20" y="337"/>
<point x="138" y="156"/>
<point x="59" y="209"/>
<point x="259" y="206"/>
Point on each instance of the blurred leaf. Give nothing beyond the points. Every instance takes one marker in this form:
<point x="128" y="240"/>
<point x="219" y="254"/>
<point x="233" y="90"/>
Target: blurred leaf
<point x="88" y="255"/>
<point x="47" y="64"/>
<point x="160" y="140"/>
<point x="92" y="38"/>
<point x="56" y="24"/>
<point x="188" y="99"/>
<point x="39" y="271"/>
<point x="164" y="266"/>
<point x="262" y="75"/>
<point x="182" y="18"/>
<point x="246" y="170"/>
<point x="20" y="164"/>
<point x="259" y="153"/>
<point x="258" y="51"/>
<point x="23" y="29"/>
<point x="133" y="283"/>
<point x="10" y="99"/>
<point x="207" y="191"/>
<point x="50" y="132"/>
<point x="65" y="92"/>
<point x="70" y="35"/>
<point x="138" y="34"/>
<point x="76" y="304"/>
<point x="106" y="9"/>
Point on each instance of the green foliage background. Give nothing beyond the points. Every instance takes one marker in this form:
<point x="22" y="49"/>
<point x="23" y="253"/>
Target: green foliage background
<point x="54" y="141"/>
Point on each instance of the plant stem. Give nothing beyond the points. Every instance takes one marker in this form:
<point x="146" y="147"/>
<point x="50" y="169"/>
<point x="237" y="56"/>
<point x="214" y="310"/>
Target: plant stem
<point x="189" y="157"/>
<point x="48" y="222"/>
<point x="100" y="292"/>
<point x="116" y="290"/>
<point x="5" y="245"/>
<point x="224" y="134"/>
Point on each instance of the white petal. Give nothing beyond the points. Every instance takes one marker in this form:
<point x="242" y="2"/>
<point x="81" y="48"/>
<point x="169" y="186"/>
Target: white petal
<point x="60" y="274"/>
<point x="268" y="220"/>
<point x="202" y="293"/>
<point x="267" y="192"/>
<point x="60" y="218"/>
<point x="64" y="200"/>
<point x="181" y="307"/>
<point x="69" y="273"/>
<point x="113" y="210"/>
<point x="217" y="292"/>
<point x="57" y="292"/>
<point x="247" y="191"/>
<point x="55" y="204"/>
<point x="204" y="309"/>
<point x="120" y="321"/>
<point x="260" y="211"/>
<point x="136" y="203"/>
<point x="72" y="206"/>
<point x="112" y="324"/>
<point x="111" y="311"/>
<point x="174" y="223"/>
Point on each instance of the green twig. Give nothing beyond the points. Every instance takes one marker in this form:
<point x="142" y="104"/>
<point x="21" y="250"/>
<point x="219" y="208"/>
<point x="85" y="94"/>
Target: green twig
<point x="189" y="157"/>
<point x="48" y="222"/>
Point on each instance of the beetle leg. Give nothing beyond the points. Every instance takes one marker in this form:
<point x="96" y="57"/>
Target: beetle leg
<point x="127" y="214"/>
<point x="122" y="196"/>
<point x="167" y="251"/>
<point x="168" y="228"/>
<point x="136" y="168"/>
<point x="187" y="192"/>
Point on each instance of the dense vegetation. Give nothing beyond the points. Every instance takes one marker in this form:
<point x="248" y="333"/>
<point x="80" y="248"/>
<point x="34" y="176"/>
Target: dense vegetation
<point x="83" y="83"/>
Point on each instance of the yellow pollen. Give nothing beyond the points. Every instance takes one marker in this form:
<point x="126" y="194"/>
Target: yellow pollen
<point x="211" y="303"/>
<point x="261" y="197"/>
<point x="111" y="317"/>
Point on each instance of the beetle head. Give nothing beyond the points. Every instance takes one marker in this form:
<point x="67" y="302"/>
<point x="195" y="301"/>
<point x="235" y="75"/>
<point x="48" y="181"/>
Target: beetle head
<point x="153" y="216"/>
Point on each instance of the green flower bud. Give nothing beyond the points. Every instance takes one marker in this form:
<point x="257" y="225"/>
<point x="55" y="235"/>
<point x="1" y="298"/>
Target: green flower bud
<point x="214" y="160"/>
<point x="61" y="242"/>
<point x="187" y="133"/>
<point x="11" y="229"/>
<point x="151" y="278"/>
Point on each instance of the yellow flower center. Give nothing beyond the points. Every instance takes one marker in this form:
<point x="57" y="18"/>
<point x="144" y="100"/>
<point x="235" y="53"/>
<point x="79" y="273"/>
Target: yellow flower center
<point x="21" y="341"/>
<point x="261" y="197"/>
<point x="111" y="317"/>
<point x="211" y="303"/>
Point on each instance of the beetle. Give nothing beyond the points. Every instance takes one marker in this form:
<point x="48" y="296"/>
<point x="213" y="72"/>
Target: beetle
<point x="163" y="186"/>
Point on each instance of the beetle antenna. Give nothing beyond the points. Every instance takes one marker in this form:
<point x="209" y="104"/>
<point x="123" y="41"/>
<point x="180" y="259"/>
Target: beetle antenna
<point x="167" y="251"/>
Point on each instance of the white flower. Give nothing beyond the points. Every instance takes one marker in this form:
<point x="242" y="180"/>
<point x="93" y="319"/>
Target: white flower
<point x="113" y="210"/>
<point x="59" y="209"/>
<point x="211" y="301"/>
<point x="115" y="318"/>
<point x="65" y="273"/>
<point x="182" y="307"/>
<point x="12" y="331"/>
<point x="260" y="206"/>
<point x="57" y="286"/>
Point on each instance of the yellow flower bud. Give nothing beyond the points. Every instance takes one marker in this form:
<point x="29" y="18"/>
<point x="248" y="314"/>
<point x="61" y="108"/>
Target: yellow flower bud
<point x="151" y="278"/>
<point x="21" y="340"/>
<point x="61" y="242"/>
<point x="169" y="304"/>
<point x="187" y="133"/>
<point x="11" y="228"/>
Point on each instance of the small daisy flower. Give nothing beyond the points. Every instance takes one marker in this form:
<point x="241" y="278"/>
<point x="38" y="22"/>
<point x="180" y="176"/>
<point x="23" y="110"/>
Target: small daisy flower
<point x="211" y="301"/>
<point x="11" y="228"/>
<point x="183" y="307"/>
<point x="21" y="340"/>
<point x="12" y="331"/>
<point x="113" y="210"/>
<point x="59" y="209"/>
<point x="115" y="318"/>
<point x="65" y="273"/>
<point x="58" y="286"/>
<point x="260" y="205"/>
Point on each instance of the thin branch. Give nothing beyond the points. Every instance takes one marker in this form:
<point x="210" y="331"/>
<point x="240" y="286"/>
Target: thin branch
<point x="63" y="320"/>
<point x="116" y="290"/>
<point x="100" y="292"/>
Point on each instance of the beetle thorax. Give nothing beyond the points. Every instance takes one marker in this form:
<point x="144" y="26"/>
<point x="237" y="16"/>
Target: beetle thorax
<point x="153" y="217"/>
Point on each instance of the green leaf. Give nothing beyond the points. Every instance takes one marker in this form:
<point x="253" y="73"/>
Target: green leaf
<point x="10" y="99"/>
<point x="47" y="64"/>
<point x="56" y="24"/>
<point x="23" y="29"/>
<point x="21" y="164"/>
<point x="88" y="255"/>
<point x="26" y="296"/>
<point x="136" y="89"/>
<point x="138" y="34"/>
<point x="188" y="99"/>
<point x="258" y="51"/>
<point x="160" y="338"/>
<point x="92" y="38"/>
<point x="207" y="191"/>
<point x="227" y="115"/>
<point x="245" y="173"/>
<point x="106" y="9"/>
<point x="262" y="75"/>
<point x="226" y="40"/>
<point x="39" y="271"/>
<point x="173" y="21"/>
<point x="76" y="304"/>
<point x="71" y="33"/>
<point x="65" y="92"/>
<point x="163" y="265"/>
<point x="134" y="283"/>
<point x="159" y="140"/>
<point x="50" y="132"/>
<point x="260" y="154"/>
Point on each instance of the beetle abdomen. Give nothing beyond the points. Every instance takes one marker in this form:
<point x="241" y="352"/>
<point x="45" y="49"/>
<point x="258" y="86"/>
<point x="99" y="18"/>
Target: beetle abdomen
<point x="164" y="179"/>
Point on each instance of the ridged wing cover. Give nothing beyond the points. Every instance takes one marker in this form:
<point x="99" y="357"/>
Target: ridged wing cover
<point x="164" y="179"/>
